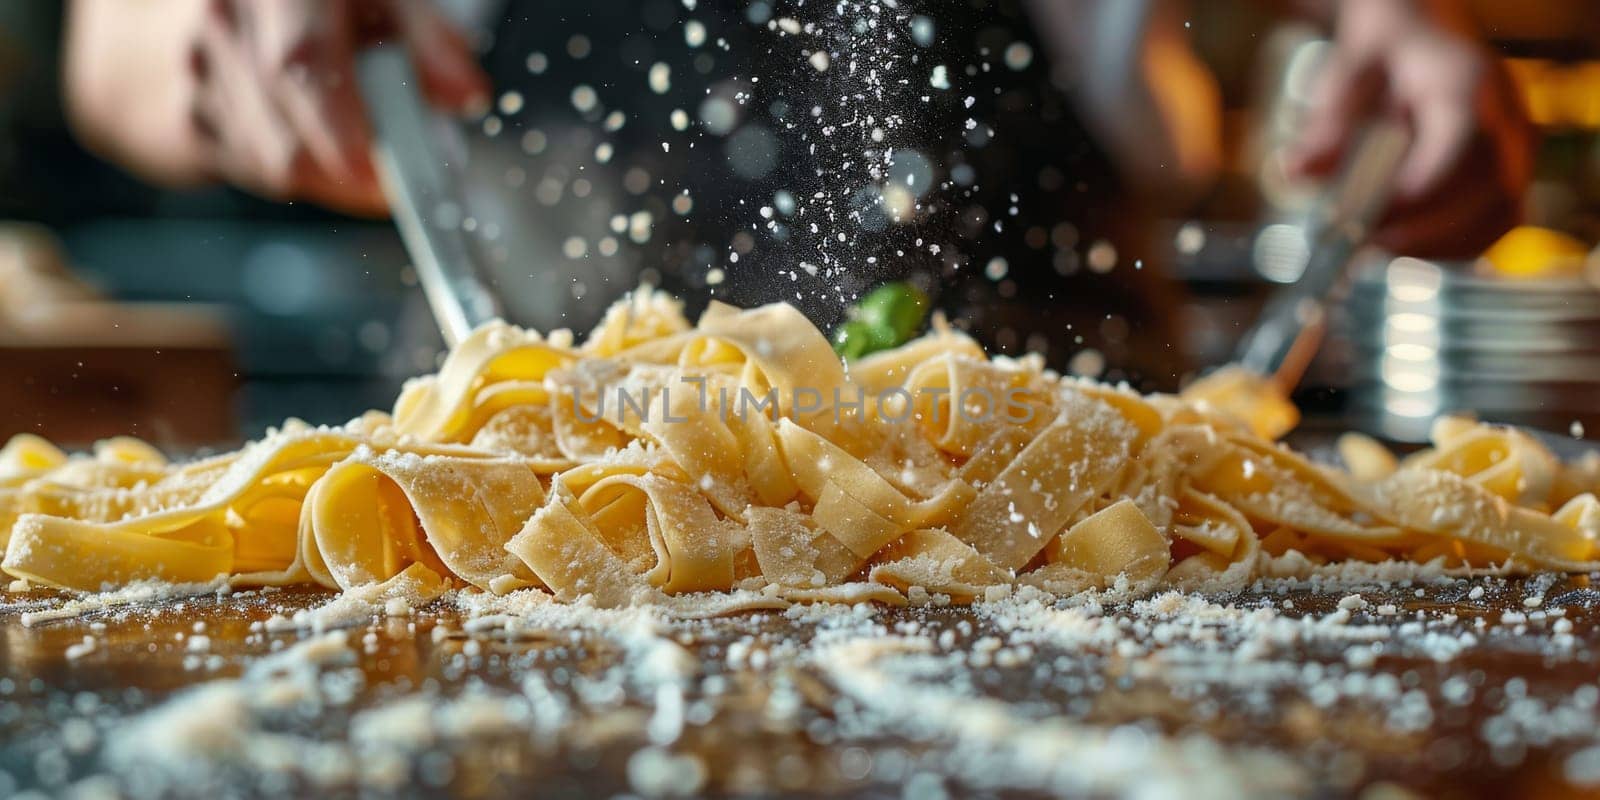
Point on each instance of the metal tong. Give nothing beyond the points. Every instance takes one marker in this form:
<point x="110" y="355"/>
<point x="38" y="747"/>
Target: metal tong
<point x="1284" y="340"/>
<point x="413" y="149"/>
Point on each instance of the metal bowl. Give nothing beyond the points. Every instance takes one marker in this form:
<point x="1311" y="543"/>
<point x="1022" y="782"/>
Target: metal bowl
<point x="1416" y="339"/>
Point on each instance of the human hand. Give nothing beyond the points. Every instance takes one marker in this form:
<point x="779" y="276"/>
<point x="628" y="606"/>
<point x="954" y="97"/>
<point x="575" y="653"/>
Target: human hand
<point x="1460" y="185"/>
<point x="260" y="93"/>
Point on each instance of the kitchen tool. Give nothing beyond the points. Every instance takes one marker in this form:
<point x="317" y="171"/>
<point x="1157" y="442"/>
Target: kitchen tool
<point x="1290" y="330"/>
<point x="417" y="154"/>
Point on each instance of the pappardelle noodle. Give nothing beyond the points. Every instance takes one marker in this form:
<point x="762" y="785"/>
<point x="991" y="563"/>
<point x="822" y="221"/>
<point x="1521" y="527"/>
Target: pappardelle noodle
<point x="739" y="457"/>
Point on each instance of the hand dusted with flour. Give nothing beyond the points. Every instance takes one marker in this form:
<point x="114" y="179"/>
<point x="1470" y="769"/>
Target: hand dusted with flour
<point x="925" y="473"/>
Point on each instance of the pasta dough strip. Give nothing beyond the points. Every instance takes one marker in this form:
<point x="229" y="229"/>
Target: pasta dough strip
<point x="746" y="459"/>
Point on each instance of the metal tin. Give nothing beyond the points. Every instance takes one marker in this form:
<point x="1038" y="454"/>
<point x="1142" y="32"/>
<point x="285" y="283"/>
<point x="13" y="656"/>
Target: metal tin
<point x="1417" y="339"/>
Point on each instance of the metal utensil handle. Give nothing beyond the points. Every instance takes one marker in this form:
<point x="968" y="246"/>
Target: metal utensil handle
<point x="1291" y="326"/>
<point x="422" y="190"/>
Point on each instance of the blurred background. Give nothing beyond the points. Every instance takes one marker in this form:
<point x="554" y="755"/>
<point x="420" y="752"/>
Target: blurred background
<point x="758" y="150"/>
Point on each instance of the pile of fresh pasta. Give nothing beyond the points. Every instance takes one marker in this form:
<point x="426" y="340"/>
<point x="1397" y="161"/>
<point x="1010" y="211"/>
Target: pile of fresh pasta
<point x="739" y="457"/>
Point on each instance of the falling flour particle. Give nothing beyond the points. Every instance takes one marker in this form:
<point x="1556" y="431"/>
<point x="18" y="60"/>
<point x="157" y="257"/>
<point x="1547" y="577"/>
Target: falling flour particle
<point x="584" y="98"/>
<point x="1018" y="56"/>
<point x="660" y="78"/>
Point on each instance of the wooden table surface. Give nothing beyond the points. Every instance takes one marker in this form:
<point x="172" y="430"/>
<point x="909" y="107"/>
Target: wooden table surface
<point x="1350" y="690"/>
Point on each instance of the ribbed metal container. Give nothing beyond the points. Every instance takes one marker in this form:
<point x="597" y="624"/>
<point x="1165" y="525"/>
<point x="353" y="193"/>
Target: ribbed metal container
<point x="1418" y="339"/>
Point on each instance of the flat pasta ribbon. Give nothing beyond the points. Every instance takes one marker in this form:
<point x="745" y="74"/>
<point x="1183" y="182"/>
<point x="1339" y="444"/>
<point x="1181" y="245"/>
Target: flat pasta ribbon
<point x="736" y="463"/>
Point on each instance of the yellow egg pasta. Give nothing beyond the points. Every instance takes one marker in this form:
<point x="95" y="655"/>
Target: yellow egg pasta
<point x="739" y="460"/>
